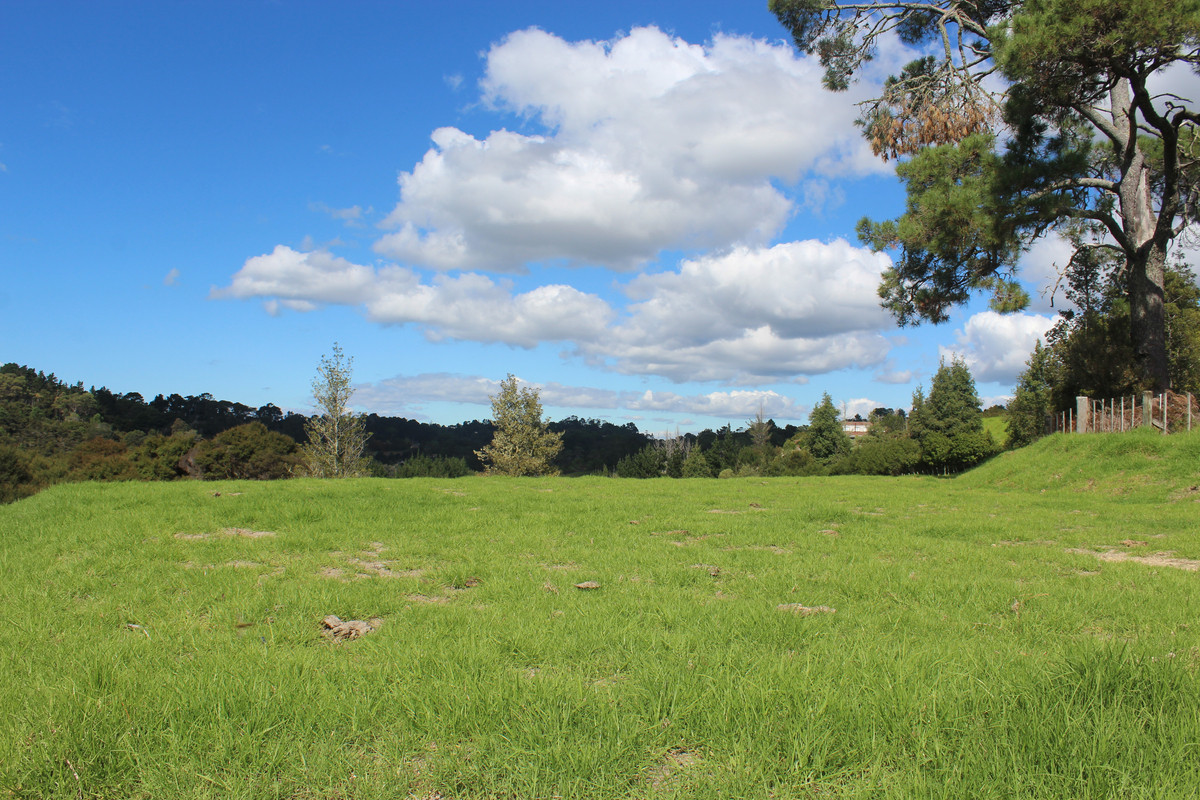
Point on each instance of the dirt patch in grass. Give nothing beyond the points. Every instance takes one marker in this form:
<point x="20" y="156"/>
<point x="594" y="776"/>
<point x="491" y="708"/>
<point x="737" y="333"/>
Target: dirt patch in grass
<point x="1190" y="493"/>
<point x="674" y="761"/>
<point x="1163" y="559"/>
<point x="686" y="540"/>
<point x="381" y="569"/>
<point x="430" y="599"/>
<point x="769" y="548"/>
<point x="369" y="565"/>
<point x="245" y="533"/>
<point x="805" y="611"/>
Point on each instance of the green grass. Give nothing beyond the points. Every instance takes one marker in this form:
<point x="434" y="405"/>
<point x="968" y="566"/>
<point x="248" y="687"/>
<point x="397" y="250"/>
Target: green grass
<point x="998" y="426"/>
<point x="980" y="647"/>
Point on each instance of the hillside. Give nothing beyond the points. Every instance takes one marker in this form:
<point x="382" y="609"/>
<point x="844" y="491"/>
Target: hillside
<point x="1141" y="464"/>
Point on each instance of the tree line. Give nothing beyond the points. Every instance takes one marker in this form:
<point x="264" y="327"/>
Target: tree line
<point x="52" y="431"/>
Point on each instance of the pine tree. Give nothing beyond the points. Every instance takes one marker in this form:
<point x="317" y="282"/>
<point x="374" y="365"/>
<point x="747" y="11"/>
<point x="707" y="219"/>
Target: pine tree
<point x="1033" y="400"/>
<point x="948" y="424"/>
<point x="826" y="438"/>
<point x="522" y="443"/>
<point x="336" y="437"/>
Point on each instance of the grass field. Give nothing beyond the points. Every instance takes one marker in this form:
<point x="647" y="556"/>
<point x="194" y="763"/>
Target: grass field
<point x="998" y="426"/>
<point x="1028" y="630"/>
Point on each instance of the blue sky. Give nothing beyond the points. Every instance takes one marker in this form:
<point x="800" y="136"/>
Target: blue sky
<point x="646" y="209"/>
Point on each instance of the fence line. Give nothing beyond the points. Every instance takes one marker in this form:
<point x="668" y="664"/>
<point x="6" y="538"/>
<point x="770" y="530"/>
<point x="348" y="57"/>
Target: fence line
<point x="1169" y="412"/>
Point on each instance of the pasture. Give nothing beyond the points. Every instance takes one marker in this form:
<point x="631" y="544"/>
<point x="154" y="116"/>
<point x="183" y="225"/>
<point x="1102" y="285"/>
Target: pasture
<point x="1028" y="630"/>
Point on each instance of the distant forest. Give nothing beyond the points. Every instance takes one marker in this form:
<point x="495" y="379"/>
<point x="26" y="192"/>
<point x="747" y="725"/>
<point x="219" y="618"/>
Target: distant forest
<point x="51" y="431"/>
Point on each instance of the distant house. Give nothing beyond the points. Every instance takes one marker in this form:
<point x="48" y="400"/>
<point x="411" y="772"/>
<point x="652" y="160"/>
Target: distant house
<point x="856" y="427"/>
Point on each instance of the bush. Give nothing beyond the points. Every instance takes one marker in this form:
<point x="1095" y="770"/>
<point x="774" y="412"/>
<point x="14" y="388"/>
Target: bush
<point x="423" y="466"/>
<point x="794" y="462"/>
<point x="159" y="458"/>
<point x="15" y="475"/>
<point x="880" y="456"/>
<point x="99" y="459"/>
<point x="248" y="451"/>
<point x="649" y="462"/>
<point x="696" y="465"/>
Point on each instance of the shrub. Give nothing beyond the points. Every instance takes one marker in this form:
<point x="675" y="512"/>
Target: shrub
<point x="423" y="466"/>
<point x="248" y="451"/>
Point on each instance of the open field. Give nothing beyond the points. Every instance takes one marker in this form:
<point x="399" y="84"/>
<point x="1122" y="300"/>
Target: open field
<point x="1028" y="630"/>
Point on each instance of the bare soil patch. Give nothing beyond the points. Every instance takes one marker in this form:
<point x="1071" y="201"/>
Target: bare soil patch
<point x="425" y="598"/>
<point x="245" y="533"/>
<point x="675" y="760"/>
<point x="805" y="611"/>
<point x="1162" y="559"/>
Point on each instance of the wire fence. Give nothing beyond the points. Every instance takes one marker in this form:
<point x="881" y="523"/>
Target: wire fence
<point x="1169" y="412"/>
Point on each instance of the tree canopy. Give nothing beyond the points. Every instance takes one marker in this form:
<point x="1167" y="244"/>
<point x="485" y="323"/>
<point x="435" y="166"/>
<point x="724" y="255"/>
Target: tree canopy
<point x="826" y="437"/>
<point x="1023" y="117"/>
<point x="948" y="425"/>
<point x="523" y="443"/>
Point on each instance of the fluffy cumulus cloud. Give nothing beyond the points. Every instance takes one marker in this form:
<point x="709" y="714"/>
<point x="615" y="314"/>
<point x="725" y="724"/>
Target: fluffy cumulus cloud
<point x="781" y="312"/>
<point x="648" y="143"/>
<point x="630" y="148"/>
<point x="473" y="307"/>
<point x="799" y="308"/>
<point x="996" y="346"/>
<point x="466" y="307"/>
<point x="301" y="279"/>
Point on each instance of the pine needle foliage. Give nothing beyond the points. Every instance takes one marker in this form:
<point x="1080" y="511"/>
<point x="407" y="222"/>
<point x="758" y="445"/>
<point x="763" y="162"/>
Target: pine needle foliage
<point x="337" y="437"/>
<point x="522" y="444"/>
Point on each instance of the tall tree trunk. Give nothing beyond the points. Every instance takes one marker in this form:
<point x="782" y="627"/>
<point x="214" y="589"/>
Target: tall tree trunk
<point x="1145" y="248"/>
<point x="1147" y="316"/>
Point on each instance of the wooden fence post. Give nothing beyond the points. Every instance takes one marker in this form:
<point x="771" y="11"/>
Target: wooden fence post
<point x="1081" y="414"/>
<point x="1147" y="408"/>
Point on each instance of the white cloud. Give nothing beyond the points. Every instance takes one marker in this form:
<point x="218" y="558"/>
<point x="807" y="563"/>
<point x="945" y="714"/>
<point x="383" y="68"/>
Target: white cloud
<point x="889" y="374"/>
<point x="1041" y="269"/>
<point x="862" y="406"/>
<point x="172" y="277"/>
<point x="783" y="312"/>
<point x="351" y="216"/>
<point x="311" y="278"/>
<point x="996" y="346"/>
<point x="407" y="394"/>
<point x="799" y="308"/>
<point x="476" y="308"/>
<point x="649" y="143"/>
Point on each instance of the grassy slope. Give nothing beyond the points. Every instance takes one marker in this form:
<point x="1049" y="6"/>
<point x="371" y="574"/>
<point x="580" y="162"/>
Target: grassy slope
<point x="998" y="427"/>
<point x="971" y="653"/>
